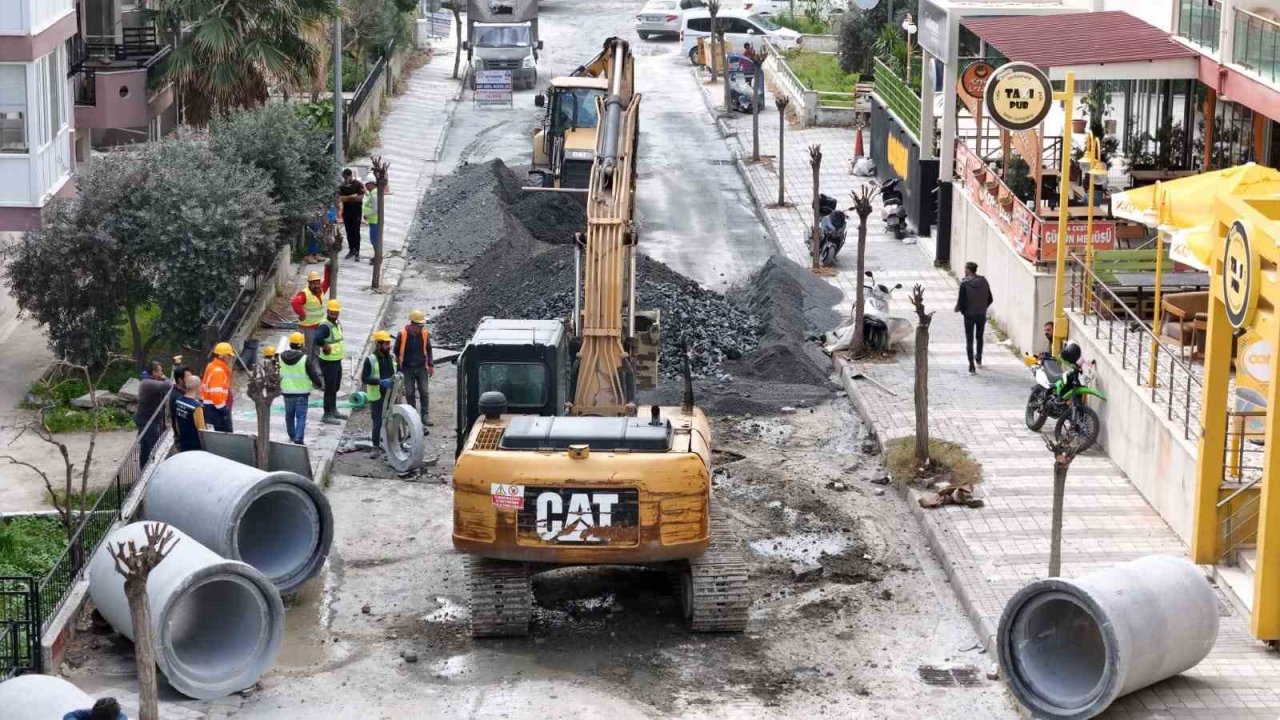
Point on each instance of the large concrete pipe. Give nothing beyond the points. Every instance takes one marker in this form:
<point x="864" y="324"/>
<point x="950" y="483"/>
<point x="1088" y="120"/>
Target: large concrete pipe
<point x="278" y="522"/>
<point x="217" y="623"/>
<point x="1070" y="647"/>
<point x="40" y="697"/>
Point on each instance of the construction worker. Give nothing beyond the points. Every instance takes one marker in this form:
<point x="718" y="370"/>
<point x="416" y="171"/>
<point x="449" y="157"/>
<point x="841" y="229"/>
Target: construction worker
<point x="413" y="356"/>
<point x="331" y="353"/>
<point x="297" y="377"/>
<point x="378" y="375"/>
<point x="188" y="416"/>
<point x="217" y="388"/>
<point x="308" y="305"/>
<point x="371" y="212"/>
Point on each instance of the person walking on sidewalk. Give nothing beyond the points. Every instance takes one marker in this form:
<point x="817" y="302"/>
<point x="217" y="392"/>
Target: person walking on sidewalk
<point x="308" y="305"/>
<point x="413" y="354"/>
<point x="153" y="394"/>
<point x="217" y="388"/>
<point x="378" y="374"/>
<point x="351" y="198"/>
<point x="331" y="352"/>
<point x="188" y="416"/>
<point x="297" y="377"/>
<point x="972" y="303"/>
<point x="371" y="213"/>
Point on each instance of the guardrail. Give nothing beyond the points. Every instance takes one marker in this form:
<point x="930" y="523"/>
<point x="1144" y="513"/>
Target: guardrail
<point x="1257" y="45"/>
<point x="1241" y="473"/>
<point x="19" y="626"/>
<point x="1174" y="383"/>
<point x="900" y="99"/>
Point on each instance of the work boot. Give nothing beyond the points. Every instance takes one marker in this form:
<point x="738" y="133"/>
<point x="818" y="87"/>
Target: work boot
<point x="329" y="419"/>
<point x="339" y="415"/>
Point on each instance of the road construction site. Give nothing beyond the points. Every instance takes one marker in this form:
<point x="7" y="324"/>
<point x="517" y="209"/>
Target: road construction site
<point x="851" y="615"/>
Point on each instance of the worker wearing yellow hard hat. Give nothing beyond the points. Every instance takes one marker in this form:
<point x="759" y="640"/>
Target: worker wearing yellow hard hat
<point x="413" y="353"/>
<point x="216" y="388"/>
<point x="328" y="340"/>
<point x="308" y="304"/>
<point x="297" y="378"/>
<point x="378" y="375"/>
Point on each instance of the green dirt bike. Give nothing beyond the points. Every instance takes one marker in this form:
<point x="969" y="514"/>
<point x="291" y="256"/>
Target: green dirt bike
<point x="1062" y="393"/>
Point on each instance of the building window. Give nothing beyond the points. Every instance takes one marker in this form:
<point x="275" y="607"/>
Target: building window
<point x="13" y="108"/>
<point x="55" y="77"/>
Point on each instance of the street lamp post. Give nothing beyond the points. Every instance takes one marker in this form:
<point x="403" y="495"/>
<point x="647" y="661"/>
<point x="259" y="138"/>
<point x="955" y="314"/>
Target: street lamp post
<point x="1094" y="168"/>
<point x="1067" y="97"/>
<point x="909" y="26"/>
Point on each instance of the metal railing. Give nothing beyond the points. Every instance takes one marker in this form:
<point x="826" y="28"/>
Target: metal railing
<point x="899" y="98"/>
<point x="1242" y="466"/>
<point x="371" y="82"/>
<point x="1199" y="21"/>
<point x="29" y="605"/>
<point x="1256" y="45"/>
<point x="1172" y="381"/>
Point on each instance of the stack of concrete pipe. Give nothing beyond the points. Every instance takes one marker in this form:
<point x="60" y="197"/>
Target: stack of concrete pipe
<point x="1071" y="647"/>
<point x="245" y="537"/>
<point x="40" y="697"/>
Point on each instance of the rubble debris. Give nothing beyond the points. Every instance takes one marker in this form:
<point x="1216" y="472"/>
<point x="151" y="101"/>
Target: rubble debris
<point x="805" y="572"/>
<point x="952" y="495"/>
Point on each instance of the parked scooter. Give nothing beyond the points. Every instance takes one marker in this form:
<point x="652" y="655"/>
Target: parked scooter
<point x="1062" y="390"/>
<point x="833" y="227"/>
<point x="876" y="319"/>
<point x="895" y="209"/>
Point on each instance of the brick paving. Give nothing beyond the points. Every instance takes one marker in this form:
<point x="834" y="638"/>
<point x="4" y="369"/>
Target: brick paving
<point x="992" y="552"/>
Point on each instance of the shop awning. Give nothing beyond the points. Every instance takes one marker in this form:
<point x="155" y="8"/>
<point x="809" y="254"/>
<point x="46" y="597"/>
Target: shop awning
<point x="1112" y="45"/>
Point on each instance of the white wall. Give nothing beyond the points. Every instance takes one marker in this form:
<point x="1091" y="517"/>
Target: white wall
<point x="1156" y="12"/>
<point x="29" y="17"/>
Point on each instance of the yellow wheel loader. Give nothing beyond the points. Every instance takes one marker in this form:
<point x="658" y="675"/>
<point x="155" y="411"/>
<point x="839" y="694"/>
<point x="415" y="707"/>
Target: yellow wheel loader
<point x="556" y="464"/>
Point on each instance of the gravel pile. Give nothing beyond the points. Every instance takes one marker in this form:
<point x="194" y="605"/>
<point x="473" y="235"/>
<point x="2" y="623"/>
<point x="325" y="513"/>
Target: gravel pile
<point x="466" y="213"/>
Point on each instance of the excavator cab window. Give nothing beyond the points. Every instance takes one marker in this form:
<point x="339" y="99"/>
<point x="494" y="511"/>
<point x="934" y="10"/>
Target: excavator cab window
<point x="575" y="108"/>
<point x="523" y="384"/>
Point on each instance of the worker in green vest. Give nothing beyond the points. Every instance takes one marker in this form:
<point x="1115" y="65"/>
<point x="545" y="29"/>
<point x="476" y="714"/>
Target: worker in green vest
<point x="371" y="212"/>
<point x="378" y="375"/>
<point x="332" y="352"/>
<point x="297" y="377"/>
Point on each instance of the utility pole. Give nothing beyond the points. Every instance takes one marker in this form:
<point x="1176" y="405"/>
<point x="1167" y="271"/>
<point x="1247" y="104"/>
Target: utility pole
<point x="338" y="100"/>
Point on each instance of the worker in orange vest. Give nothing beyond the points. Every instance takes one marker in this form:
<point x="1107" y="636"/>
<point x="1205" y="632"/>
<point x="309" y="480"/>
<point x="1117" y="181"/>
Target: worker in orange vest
<point x="308" y="305"/>
<point x="413" y="357"/>
<point x="216" y="388"/>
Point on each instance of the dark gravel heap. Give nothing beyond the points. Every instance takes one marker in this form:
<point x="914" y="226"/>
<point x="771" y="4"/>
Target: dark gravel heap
<point x="551" y="217"/>
<point x="465" y="213"/>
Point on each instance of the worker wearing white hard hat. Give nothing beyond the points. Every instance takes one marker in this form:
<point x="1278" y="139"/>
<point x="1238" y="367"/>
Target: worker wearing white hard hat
<point x="371" y="212"/>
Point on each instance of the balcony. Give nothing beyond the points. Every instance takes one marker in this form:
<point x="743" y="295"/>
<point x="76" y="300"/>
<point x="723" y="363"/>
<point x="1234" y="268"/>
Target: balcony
<point x="1257" y="45"/>
<point x="1199" y="21"/>
<point x="120" y="85"/>
<point x="30" y="17"/>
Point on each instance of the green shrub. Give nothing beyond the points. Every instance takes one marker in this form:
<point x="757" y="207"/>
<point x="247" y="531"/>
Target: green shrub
<point x="820" y="71"/>
<point x="803" y="24"/>
<point x="30" y="545"/>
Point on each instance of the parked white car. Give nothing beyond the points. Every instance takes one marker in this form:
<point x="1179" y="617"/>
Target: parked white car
<point x="767" y="8"/>
<point x="740" y="28"/>
<point x="658" y="17"/>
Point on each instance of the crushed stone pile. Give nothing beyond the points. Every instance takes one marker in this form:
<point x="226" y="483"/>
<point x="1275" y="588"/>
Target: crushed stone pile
<point x="465" y="213"/>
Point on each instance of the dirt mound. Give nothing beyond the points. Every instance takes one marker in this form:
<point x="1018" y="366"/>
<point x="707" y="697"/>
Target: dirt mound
<point x="464" y="214"/>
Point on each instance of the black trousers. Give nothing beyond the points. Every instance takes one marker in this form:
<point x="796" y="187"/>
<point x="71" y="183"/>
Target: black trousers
<point x="352" y="225"/>
<point x="974" y="328"/>
<point x="331" y="371"/>
<point x="147" y="439"/>
<point x="375" y="409"/>
<point x="415" y="387"/>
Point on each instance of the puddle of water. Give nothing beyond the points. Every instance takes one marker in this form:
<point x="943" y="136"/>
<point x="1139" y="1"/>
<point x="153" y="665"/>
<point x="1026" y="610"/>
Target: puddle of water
<point x="452" y="667"/>
<point x="307" y="640"/>
<point x="449" y="611"/>
<point x="801" y="547"/>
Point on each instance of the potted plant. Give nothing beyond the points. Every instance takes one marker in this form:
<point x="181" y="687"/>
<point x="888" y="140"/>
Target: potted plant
<point x="1006" y="200"/>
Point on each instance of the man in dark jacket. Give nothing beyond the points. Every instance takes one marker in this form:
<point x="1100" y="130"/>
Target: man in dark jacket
<point x="154" y="392"/>
<point x="378" y="375"/>
<point x="974" y="299"/>
<point x="413" y="356"/>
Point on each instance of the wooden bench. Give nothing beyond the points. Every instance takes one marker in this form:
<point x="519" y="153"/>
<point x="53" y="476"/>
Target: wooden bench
<point x="1111" y="266"/>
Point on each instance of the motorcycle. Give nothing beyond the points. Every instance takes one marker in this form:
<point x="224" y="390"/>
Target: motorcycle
<point x="880" y="330"/>
<point x="895" y="209"/>
<point x="1053" y="397"/>
<point x="833" y="227"/>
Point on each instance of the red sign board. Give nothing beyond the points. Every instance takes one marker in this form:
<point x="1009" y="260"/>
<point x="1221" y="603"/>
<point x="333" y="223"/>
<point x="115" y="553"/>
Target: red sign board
<point x="1104" y="237"/>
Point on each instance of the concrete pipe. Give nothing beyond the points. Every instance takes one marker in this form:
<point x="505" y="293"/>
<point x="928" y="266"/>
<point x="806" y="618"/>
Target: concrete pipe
<point x="278" y="522"/>
<point x="217" y="623"/>
<point x="1070" y="647"/>
<point x="40" y="697"/>
<point x="405" y="444"/>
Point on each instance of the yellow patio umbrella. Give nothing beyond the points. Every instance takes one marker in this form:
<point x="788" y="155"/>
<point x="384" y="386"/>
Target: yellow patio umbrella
<point x="1189" y="200"/>
<point x="1192" y="246"/>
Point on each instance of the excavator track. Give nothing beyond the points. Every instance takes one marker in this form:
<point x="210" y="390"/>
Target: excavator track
<point x="500" y="597"/>
<point x="714" y="591"/>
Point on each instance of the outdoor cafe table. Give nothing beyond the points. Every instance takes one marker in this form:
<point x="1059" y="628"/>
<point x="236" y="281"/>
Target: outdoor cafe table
<point x="1145" y="282"/>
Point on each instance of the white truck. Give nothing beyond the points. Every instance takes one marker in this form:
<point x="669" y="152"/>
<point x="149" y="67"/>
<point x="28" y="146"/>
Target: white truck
<point x="503" y="35"/>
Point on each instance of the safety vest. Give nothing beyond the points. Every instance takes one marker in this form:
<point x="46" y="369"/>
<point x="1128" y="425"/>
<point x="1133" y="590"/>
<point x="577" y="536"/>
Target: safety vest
<point x="293" y="378"/>
<point x="313" y="307"/>
<point x="371" y="207"/>
<point x="374" y="392"/>
<point x="404" y="340"/>
<point x="336" y="351"/>
<point x="216" y="384"/>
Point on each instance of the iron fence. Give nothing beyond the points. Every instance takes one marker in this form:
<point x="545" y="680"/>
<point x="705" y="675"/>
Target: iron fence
<point x="366" y="88"/>
<point x="898" y="97"/>
<point x="1172" y="380"/>
<point x="19" y="626"/>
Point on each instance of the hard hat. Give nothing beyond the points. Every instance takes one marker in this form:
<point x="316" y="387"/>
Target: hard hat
<point x="314" y="276"/>
<point x="223" y="348"/>
<point x="297" y="338"/>
<point x="417" y="316"/>
<point x="370" y="179"/>
<point x="382" y="336"/>
<point x="334" y="305"/>
<point x="269" y="351"/>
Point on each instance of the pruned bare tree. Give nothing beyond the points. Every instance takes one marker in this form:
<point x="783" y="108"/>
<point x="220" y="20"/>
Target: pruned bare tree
<point x="815" y="164"/>
<point x="862" y="206"/>
<point x="264" y="388"/>
<point x="457" y="34"/>
<point x="74" y="482"/>
<point x="135" y="565"/>
<point x="331" y="240"/>
<point x="781" y="101"/>
<point x="921" y="389"/>
<point x="380" y="168"/>
<point x="1064" y="452"/>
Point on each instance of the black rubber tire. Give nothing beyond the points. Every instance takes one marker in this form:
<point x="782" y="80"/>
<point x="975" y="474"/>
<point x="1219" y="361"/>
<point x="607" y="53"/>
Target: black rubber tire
<point x="644" y="35"/>
<point x="1087" y="434"/>
<point x="693" y="56"/>
<point x="1033" y="417"/>
<point x="827" y="255"/>
<point x="403" y="441"/>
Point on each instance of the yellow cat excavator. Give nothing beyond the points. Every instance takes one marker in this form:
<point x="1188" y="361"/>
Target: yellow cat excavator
<point x="556" y="464"/>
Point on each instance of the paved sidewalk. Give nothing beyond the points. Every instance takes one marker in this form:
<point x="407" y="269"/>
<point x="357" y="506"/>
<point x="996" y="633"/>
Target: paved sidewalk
<point x="413" y="132"/>
<point x="992" y="552"/>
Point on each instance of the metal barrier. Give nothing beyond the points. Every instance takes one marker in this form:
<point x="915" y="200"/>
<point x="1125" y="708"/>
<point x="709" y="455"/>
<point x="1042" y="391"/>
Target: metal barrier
<point x="900" y="99"/>
<point x="366" y="88"/>
<point x="19" y="626"/>
<point x="1174" y="382"/>
<point x="1242" y="465"/>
